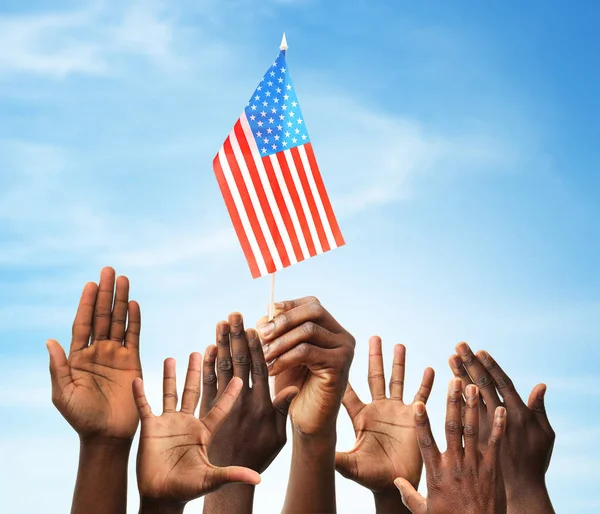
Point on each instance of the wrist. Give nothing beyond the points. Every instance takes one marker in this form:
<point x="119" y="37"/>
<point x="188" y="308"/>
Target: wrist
<point x="160" y="506"/>
<point x="117" y="444"/>
<point x="320" y="442"/>
<point x="389" y="501"/>
<point x="238" y="498"/>
<point x="528" y="495"/>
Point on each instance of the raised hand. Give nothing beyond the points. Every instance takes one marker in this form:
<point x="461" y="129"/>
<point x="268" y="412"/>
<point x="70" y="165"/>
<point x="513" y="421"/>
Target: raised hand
<point x="529" y="439"/>
<point x="463" y="479"/>
<point x="173" y="466"/>
<point x="92" y="388"/>
<point x="255" y="431"/>
<point x="308" y="349"/>
<point x="386" y="441"/>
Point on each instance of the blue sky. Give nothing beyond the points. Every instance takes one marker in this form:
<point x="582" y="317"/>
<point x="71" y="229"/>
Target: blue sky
<point x="459" y="145"/>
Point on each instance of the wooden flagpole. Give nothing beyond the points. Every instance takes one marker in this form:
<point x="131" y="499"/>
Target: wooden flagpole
<point x="271" y="316"/>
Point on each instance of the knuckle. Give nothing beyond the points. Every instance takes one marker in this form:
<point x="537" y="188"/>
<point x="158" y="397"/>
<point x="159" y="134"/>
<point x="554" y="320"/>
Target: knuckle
<point x="209" y="379"/>
<point x="316" y="308"/>
<point x="504" y="383"/>
<point x="191" y="390"/>
<point x="242" y="359"/>
<point x="283" y="320"/>
<point x="224" y="364"/>
<point x="483" y="381"/>
<point x="469" y="431"/>
<point x="453" y="427"/>
<point x="309" y="329"/>
<point x="312" y="299"/>
<point x="259" y="368"/>
<point x="453" y="401"/>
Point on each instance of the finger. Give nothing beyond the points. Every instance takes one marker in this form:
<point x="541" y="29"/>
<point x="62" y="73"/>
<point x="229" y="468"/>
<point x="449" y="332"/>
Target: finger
<point x="471" y="427"/>
<point x="398" y="368"/>
<point x="495" y="440"/>
<point x="222" y="408"/>
<point x="119" y="312"/>
<point x="169" y="386"/>
<point x="209" y="379"/>
<point x="303" y="354"/>
<point x="459" y="370"/>
<point x="60" y="372"/>
<point x="82" y="326"/>
<point x="410" y="497"/>
<point x="481" y="377"/>
<point x="239" y="348"/>
<point x="224" y="365"/>
<point x="502" y="381"/>
<point x="191" y="389"/>
<point x="346" y="464"/>
<point x="376" y="375"/>
<point x="311" y="311"/>
<point x="134" y="326"/>
<point x="308" y="332"/>
<point x="537" y="406"/>
<point x="352" y="402"/>
<point x="429" y="449"/>
<point x="281" y="404"/>
<point x="103" y="307"/>
<point x="217" y="477"/>
<point x="426" y="386"/>
<point x="454" y="426"/>
<point x="260" y="374"/>
<point x="140" y="399"/>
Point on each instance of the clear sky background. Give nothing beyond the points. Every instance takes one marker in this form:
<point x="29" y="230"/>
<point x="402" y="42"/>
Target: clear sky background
<point x="459" y="142"/>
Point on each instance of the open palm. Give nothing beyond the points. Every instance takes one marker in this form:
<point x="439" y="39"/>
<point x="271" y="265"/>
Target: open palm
<point x="92" y="388"/>
<point x="386" y="443"/>
<point x="173" y="454"/>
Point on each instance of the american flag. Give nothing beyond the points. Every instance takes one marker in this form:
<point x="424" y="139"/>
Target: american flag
<point x="269" y="178"/>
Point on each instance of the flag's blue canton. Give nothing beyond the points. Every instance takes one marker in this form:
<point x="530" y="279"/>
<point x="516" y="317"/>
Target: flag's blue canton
<point x="274" y="113"/>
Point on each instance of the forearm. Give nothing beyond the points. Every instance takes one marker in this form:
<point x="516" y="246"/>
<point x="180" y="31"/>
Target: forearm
<point x="238" y="498"/>
<point x="389" y="502"/>
<point x="101" y="485"/>
<point x="527" y="497"/>
<point x="311" y="486"/>
<point x="160" y="506"/>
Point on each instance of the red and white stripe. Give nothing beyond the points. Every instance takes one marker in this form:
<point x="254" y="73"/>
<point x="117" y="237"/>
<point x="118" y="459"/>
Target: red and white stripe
<point x="278" y="204"/>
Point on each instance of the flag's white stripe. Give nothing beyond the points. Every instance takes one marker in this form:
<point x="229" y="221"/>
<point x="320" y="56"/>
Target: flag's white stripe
<point x="239" y="205"/>
<point x="307" y="214"/>
<point x="290" y="205"/>
<point x="260" y="215"/>
<point x="317" y="197"/>
<point x="262" y="172"/>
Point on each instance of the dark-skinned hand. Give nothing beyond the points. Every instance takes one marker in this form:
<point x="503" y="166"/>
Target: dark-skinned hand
<point x="462" y="479"/>
<point x="386" y="441"/>
<point x="92" y="388"/>
<point x="308" y="349"/>
<point x="255" y="430"/>
<point x="529" y="438"/>
<point x="173" y="465"/>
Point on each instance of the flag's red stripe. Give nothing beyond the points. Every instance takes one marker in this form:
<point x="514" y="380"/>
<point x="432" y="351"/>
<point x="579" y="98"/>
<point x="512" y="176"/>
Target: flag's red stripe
<point x="285" y="170"/>
<point x="235" y="218"/>
<point x="310" y="199"/>
<point x="260" y="192"/>
<point x="335" y="228"/>
<point x="285" y="214"/>
<point x="243" y="191"/>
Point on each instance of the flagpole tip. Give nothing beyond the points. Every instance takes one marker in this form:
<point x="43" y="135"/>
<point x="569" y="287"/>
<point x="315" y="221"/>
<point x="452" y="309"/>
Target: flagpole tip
<point x="284" y="45"/>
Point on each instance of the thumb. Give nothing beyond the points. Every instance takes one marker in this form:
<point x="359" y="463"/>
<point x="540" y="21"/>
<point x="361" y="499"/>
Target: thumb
<point x="410" y="497"/>
<point x="345" y="464"/>
<point x="537" y="405"/>
<point x="218" y="477"/>
<point x="60" y="372"/>
<point x="281" y="404"/>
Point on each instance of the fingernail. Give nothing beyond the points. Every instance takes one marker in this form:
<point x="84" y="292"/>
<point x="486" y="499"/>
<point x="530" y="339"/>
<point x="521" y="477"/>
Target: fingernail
<point x="471" y="391"/>
<point x="279" y="305"/>
<point x="463" y="349"/>
<point x="266" y="330"/>
<point x="457" y="385"/>
<point x="397" y="484"/>
<point x="500" y="412"/>
<point x="265" y="349"/>
<point x="420" y="409"/>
